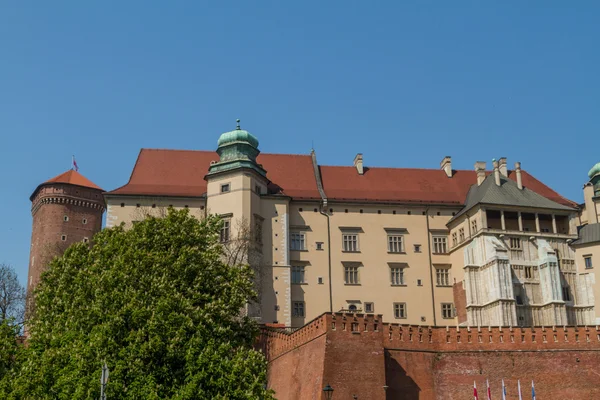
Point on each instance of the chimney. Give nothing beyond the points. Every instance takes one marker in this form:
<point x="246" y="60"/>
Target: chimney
<point x="496" y="172"/>
<point x="590" y="206"/>
<point x="358" y="163"/>
<point x="480" y="169"/>
<point x="518" y="172"/>
<point x="503" y="166"/>
<point x="446" y="165"/>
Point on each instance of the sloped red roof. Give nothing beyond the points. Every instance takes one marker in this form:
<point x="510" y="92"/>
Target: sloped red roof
<point x="71" y="177"/>
<point x="181" y="173"/>
<point x="74" y="178"/>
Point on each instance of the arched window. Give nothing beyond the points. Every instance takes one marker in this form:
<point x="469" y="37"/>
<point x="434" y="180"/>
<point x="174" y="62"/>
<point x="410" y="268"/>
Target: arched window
<point x="352" y="307"/>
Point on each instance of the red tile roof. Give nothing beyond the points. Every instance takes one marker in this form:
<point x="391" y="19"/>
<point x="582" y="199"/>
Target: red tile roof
<point x="181" y="173"/>
<point x="74" y="178"/>
<point x="71" y="177"/>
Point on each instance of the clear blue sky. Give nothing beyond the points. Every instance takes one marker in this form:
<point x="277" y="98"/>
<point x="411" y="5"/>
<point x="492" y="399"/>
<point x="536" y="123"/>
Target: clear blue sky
<point x="405" y="83"/>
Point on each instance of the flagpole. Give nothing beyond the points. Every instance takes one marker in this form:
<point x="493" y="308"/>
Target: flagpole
<point x="519" y="386"/>
<point x="503" y="390"/>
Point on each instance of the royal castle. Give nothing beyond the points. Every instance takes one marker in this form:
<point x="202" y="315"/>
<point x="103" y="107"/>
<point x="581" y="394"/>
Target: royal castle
<point x="488" y="246"/>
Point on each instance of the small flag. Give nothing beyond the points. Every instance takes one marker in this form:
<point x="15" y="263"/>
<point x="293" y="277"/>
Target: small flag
<point x="475" y="391"/>
<point x="519" y="386"/>
<point x="489" y="391"/>
<point x="75" y="167"/>
<point x="503" y="390"/>
<point x="532" y="391"/>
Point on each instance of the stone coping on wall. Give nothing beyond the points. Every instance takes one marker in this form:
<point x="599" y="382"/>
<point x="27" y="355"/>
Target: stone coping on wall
<point x="275" y="341"/>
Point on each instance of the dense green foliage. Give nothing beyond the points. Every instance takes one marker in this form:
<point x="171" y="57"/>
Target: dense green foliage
<point x="158" y="304"/>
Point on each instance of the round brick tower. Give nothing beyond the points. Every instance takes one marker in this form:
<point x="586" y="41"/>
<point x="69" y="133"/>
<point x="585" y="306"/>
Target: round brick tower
<point x="66" y="209"/>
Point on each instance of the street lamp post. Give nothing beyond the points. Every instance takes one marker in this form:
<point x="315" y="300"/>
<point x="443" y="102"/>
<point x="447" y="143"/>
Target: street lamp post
<point x="328" y="392"/>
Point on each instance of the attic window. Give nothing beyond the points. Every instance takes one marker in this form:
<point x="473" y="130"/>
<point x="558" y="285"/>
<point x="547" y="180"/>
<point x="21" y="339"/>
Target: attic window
<point x="300" y="209"/>
<point x="438" y="213"/>
<point x="122" y="204"/>
<point x="408" y="213"/>
<point x="225" y="188"/>
<point x="394" y="212"/>
<point x="378" y="211"/>
<point x="361" y="211"/>
<point x="346" y="210"/>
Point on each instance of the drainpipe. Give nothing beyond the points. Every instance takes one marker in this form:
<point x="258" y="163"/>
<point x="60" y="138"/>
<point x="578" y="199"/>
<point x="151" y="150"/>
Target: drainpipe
<point x="430" y="265"/>
<point x="324" y="207"/>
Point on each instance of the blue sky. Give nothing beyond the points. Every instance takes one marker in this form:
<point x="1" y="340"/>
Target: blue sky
<point x="405" y="83"/>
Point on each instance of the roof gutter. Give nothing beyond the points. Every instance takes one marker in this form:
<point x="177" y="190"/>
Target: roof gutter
<point x="323" y="211"/>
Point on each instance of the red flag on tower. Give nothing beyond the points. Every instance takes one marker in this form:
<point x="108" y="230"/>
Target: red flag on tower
<point x="75" y="167"/>
<point x="475" y="391"/>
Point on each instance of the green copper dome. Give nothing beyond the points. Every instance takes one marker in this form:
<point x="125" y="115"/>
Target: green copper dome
<point x="238" y="135"/>
<point x="594" y="171"/>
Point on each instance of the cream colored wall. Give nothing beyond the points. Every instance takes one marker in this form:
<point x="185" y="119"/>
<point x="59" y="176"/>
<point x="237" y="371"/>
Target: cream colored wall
<point x="592" y="249"/>
<point x="125" y="209"/>
<point x="374" y="273"/>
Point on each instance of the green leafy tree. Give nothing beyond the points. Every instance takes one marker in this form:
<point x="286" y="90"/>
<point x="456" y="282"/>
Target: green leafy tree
<point x="158" y="304"/>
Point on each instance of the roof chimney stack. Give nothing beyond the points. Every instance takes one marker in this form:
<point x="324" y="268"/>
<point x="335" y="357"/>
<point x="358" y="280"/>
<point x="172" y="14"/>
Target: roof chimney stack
<point x="480" y="169"/>
<point x="518" y="172"/>
<point x="496" y="172"/>
<point x="446" y="165"/>
<point x="358" y="163"/>
<point x="503" y="167"/>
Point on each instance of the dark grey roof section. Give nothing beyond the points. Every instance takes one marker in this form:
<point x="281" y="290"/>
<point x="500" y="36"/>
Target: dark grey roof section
<point x="507" y="194"/>
<point x="589" y="233"/>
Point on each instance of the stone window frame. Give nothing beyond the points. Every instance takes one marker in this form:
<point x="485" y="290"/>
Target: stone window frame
<point x="448" y="311"/>
<point x="587" y="257"/>
<point x="227" y="186"/>
<point x="400" y="310"/>
<point x="298" y="309"/>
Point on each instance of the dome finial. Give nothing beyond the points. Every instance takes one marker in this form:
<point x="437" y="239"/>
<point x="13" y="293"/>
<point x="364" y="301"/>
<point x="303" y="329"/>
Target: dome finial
<point x="238" y="124"/>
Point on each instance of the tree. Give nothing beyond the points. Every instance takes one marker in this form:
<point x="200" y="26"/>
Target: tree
<point x="156" y="302"/>
<point x="12" y="295"/>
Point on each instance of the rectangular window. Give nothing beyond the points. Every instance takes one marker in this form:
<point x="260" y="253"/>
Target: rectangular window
<point x="588" y="262"/>
<point x="350" y="242"/>
<point x="566" y="294"/>
<point x="395" y="244"/>
<point x="258" y="230"/>
<point x="454" y="240"/>
<point x="225" y="188"/>
<point x="417" y="248"/>
<point x="298" y="309"/>
<point x="528" y="273"/>
<point x="474" y="226"/>
<point x="225" y="230"/>
<point x="297" y="241"/>
<point x="351" y="275"/>
<point x="399" y="310"/>
<point x="447" y="310"/>
<point x="461" y="234"/>
<point x="297" y="274"/>
<point x="442" y="276"/>
<point x="439" y="244"/>
<point x="397" y="275"/>
<point x="257" y="189"/>
<point x="369" y="307"/>
<point x="515" y="243"/>
<point x="319" y="245"/>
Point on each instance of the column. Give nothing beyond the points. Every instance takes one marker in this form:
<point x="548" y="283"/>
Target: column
<point x="554" y="223"/>
<point x="537" y="222"/>
<point x="520" y="222"/>
<point x="502" y="220"/>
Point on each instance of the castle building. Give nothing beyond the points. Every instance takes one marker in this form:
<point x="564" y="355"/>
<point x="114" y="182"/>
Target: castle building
<point x="416" y="246"/>
<point x="66" y="209"/>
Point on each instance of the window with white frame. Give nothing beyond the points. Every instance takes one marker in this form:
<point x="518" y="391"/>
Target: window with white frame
<point x="225" y="230"/>
<point x="298" y="274"/>
<point x="515" y="243"/>
<point x="298" y="309"/>
<point x="395" y="243"/>
<point x="399" y="310"/>
<point x="351" y="275"/>
<point x="350" y="241"/>
<point x="447" y="310"/>
<point x="442" y="276"/>
<point x="588" y="262"/>
<point x="297" y="241"/>
<point x="440" y="244"/>
<point x="397" y="275"/>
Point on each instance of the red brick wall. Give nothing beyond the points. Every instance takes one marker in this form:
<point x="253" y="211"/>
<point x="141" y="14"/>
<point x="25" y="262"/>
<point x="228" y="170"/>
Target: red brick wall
<point x="358" y="355"/>
<point x="50" y="205"/>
